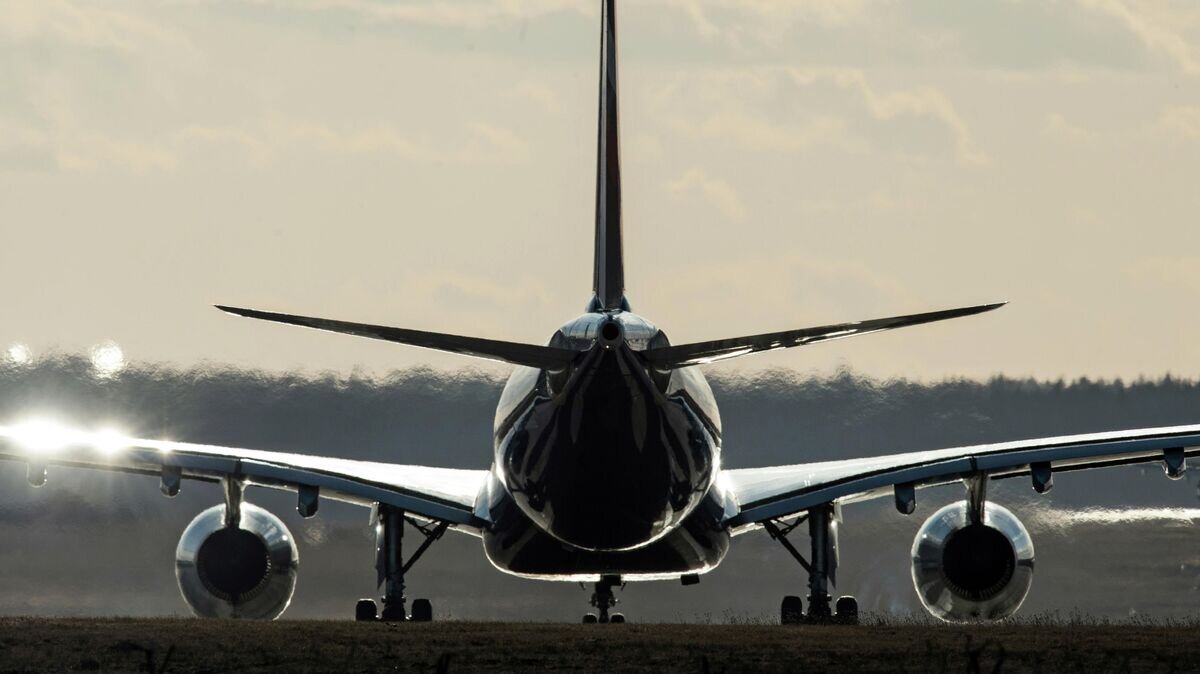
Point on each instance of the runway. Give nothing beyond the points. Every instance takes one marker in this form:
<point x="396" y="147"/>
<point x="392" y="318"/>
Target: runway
<point x="188" y="645"/>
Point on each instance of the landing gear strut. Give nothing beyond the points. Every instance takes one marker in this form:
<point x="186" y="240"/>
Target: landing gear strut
<point x="391" y="567"/>
<point x="822" y="571"/>
<point x="603" y="599"/>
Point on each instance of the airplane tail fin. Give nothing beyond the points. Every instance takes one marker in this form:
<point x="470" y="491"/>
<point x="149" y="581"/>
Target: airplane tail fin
<point x="530" y="355"/>
<point x="609" y="270"/>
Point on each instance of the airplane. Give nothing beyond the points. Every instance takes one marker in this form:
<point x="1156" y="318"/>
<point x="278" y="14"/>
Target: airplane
<point x="606" y="468"/>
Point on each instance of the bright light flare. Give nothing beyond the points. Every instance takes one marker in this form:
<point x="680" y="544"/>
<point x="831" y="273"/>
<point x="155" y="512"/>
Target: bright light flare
<point x="43" y="436"/>
<point x="109" y="441"/>
<point x="107" y="359"/>
<point x="19" y="354"/>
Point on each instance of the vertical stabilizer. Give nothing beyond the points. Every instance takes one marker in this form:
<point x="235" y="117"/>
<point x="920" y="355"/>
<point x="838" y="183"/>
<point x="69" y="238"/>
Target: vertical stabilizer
<point x="609" y="274"/>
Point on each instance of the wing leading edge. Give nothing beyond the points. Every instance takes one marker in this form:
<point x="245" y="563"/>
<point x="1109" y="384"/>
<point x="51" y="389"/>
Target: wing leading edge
<point x="444" y="494"/>
<point x="767" y="493"/>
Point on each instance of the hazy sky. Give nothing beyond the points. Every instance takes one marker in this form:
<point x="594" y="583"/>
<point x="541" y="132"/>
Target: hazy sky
<point x="431" y="165"/>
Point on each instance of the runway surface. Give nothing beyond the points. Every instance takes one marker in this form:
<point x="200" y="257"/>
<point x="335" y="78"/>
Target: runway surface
<point x="186" y="645"/>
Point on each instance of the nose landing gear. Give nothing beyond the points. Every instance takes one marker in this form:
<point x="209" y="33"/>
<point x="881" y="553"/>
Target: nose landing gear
<point x="603" y="600"/>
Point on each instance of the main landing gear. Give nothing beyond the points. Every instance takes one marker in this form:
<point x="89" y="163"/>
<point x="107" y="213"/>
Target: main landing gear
<point x="389" y="562"/>
<point x="822" y="571"/>
<point x="603" y="600"/>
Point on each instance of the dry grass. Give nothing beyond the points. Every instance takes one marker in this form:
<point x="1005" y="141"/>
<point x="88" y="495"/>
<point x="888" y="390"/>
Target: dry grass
<point x="1046" y="643"/>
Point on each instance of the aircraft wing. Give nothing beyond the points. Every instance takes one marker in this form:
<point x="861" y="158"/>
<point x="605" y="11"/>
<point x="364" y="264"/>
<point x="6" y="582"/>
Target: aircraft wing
<point x="766" y="493"/>
<point x="443" y="494"/>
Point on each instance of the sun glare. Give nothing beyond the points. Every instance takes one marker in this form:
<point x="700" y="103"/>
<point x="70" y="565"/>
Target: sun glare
<point x="19" y="354"/>
<point x="107" y="359"/>
<point x="109" y="441"/>
<point x="43" y="436"/>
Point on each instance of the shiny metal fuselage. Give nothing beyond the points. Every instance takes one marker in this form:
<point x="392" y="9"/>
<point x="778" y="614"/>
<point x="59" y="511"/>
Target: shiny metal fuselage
<point x="606" y="467"/>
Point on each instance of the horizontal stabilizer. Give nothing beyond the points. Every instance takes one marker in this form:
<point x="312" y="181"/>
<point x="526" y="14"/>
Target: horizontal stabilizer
<point x="531" y="355"/>
<point x="709" y="352"/>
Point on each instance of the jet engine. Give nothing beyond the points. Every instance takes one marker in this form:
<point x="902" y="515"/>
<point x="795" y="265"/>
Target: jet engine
<point x="967" y="570"/>
<point x="245" y="568"/>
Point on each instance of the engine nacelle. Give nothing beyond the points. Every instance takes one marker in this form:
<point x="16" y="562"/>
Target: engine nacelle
<point x="243" y="571"/>
<point x="964" y="571"/>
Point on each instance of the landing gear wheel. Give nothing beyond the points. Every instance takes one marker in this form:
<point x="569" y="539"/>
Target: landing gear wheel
<point x="617" y="618"/>
<point x="847" y="610"/>
<point x="791" y="610"/>
<point x="603" y="600"/>
<point x="590" y="619"/>
<point x="422" y="611"/>
<point x="366" y="611"/>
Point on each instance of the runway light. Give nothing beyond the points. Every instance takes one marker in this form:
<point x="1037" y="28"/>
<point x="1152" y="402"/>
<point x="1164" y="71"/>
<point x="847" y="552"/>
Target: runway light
<point x="43" y="436"/>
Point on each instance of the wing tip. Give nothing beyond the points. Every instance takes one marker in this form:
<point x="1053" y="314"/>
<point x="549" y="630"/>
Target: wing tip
<point x="236" y="311"/>
<point x="993" y="306"/>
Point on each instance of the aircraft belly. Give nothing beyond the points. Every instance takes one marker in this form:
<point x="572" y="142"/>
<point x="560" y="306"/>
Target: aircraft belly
<point x="517" y="545"/>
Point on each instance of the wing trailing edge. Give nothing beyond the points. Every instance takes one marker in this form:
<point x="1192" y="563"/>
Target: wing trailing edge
<point x="699" y="353"/>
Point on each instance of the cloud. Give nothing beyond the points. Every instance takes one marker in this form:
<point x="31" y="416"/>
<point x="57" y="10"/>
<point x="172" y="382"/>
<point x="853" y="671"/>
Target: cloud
<point x="759" y="87"/>
<point x="540" y="94"/>
<point x="717" y="192"/>
<point x="1169" y="271"/>
<point x="193" y="136"/>
<point x="465" y="14"/>
<point x="764" y="22"/>
<point x="91" y="151"/>
<point x="787" y="287"/>
<point x="643" y="147"/>
<point x="493" y="144"/>
<point x="506" y="141"/>
<point x="64" y="148"/>
<point x="1057" y="126"/>
<point x="1182" y="120"/>
<point x="756" y="132"/>
<point x="488" y="144"/>
<point x="27" y="148"/>
<point x="84" y="25"/>
<point x="922" y="101"/>
<point x="1158" y="25"/>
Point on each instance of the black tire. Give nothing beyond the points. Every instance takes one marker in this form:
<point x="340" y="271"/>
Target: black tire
<point x="791" y="610"/>
<point x="590" y="619"/>
<point x="617" y="619"/>
<point x="847" y="610"/>
<point x="366" y="611"/>
<point x="422" y="611"/>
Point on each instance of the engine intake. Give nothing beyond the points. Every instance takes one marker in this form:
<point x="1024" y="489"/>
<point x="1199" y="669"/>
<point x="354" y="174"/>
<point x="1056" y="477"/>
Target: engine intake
<point x="966" y="571"/>
<point x="243" y="571"/>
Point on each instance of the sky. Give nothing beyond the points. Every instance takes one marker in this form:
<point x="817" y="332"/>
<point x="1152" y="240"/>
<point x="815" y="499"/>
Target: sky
<point x="431" y="165"/>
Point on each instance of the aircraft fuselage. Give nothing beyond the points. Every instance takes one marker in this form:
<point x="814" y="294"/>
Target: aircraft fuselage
<point x="608" y="466"/>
